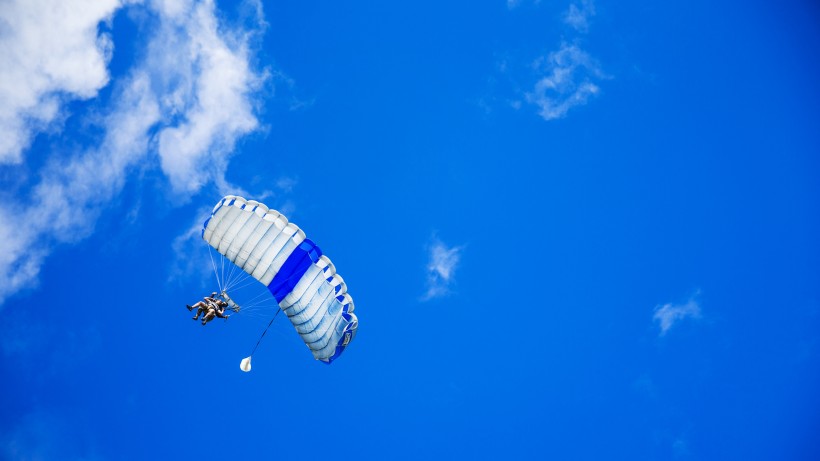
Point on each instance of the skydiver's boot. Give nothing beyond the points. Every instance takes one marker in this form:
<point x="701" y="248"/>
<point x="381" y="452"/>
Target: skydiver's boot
<point x="208" y="317"/>
<point x="189" y="307"/>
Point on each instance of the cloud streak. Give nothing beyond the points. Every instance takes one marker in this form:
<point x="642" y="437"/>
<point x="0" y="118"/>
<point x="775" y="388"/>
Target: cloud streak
<point x="186" y="102"/>
<point x="441" y="268"/>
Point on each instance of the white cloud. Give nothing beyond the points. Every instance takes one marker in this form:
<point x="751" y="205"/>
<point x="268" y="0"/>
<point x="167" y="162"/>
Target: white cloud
<point x="52" y="52"/>
<point x="570" y="80"/>
<point x="186" y="102"/>
<point x="441" y="268"/>
<point x="669" y="314"/>
<point x="578" y="14"/>
<point x="207" y="80"/>
<point x="65" y="204"/>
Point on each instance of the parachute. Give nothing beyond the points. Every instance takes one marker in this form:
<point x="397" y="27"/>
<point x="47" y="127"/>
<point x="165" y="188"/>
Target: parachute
<point x="303" y="281"/>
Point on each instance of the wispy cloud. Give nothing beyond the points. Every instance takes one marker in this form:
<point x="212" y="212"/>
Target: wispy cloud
<point x="567" y="77"/>
<point x="680" y="448"/>
<point x="515" y="3"/>
<point x="52" y="52"/>
<point x="570" y="80"/>
<point x="441" y="268"/>
<point x="578" y="15"/>
<point x="41" y="435"/>
<point x="287" y="183"/>
<point x="190" y="261"/>
<point x="186" y="102"/>
<point x="670" y="314"/>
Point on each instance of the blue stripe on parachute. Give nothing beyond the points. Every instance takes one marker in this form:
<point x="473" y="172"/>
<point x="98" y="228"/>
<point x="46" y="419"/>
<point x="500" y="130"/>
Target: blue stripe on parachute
<point x="205" y="226"/>
<point x="340" y="346"/>
<point x="295" y="266"/>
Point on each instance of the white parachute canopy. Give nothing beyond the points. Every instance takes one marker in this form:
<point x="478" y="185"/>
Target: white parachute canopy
<point x="301" y="279"/>
<point x="245" y="365"/>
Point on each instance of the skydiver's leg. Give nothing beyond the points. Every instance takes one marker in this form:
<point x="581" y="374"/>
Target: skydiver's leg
<point x="200" y="308"/>
<point x="208" y="317"/>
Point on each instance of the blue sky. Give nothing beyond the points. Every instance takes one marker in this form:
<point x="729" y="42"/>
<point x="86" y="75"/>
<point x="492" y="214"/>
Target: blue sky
<point x="573" y="230"/>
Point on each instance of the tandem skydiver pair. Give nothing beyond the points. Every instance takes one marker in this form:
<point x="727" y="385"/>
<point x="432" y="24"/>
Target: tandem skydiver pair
<point x="211" y="306"/>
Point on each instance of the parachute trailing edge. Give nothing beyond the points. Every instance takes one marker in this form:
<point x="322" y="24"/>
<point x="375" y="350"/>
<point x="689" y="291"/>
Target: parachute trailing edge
<point x="303" y="281"/>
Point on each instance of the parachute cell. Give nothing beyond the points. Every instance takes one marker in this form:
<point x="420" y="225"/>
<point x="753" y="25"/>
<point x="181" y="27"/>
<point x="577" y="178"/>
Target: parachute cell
<point x="278" y="254"/>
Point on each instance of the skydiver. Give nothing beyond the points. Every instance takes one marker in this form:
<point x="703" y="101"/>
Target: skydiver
<point x="215" y="310"/>
<point x="201" y="307"/>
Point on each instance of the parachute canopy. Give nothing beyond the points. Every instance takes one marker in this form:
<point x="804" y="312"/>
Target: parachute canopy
<point x="303" y="281"/>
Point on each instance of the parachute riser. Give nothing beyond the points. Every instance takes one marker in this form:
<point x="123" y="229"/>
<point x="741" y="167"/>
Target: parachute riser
<point x="231" y="304"/>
